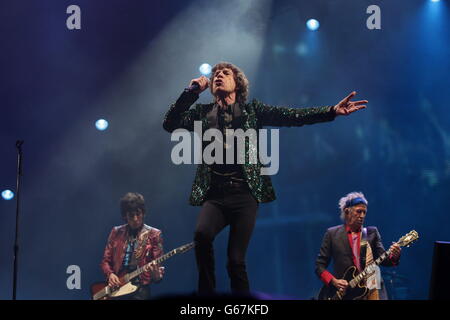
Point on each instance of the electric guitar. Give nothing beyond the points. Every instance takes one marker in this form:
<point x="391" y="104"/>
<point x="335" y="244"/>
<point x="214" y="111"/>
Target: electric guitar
<point x="357" y="282"/>
<point x="102" y="291"/>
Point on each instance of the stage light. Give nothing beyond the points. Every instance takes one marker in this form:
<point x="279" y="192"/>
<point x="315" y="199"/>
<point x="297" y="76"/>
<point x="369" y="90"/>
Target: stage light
<point x="205" y="69"/>
<point x="302" y="49"/>
<point x="7" y="194"/>
<point x="312" y="24"/>
<point x="101" y="124"/>
<point x="279" y="49"/>
<point x="435" y="0"/>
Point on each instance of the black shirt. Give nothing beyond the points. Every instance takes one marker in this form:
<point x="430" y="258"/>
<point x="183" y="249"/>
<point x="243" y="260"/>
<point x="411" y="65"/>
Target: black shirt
<point x="229" y="117"/>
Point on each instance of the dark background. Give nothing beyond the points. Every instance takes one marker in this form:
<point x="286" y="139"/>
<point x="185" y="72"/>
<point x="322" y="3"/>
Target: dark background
<point x="131" y="59"/>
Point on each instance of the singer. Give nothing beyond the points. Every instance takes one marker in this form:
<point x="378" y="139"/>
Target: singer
<point x="230" y="193"/>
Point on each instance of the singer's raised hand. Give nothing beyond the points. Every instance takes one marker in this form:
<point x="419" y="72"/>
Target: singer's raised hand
<point x="203" y="82"/>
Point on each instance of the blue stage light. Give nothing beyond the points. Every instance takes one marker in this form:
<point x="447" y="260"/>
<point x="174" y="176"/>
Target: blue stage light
<point x="302" y="49"/>
<point x="101" y="124"/>
<point x="435" y="0"/>
<point x="7" y="194"/>
<point x="312" y="24"/>
<point x="205" y="69"/>
<point x="279" y="49"/>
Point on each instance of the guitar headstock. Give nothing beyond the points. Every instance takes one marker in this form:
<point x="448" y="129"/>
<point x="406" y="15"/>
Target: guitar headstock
<point x="408" y="239"/>
<point x="185" y="247"/>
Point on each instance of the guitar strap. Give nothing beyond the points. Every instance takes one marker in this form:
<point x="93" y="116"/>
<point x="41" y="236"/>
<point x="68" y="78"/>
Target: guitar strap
<point x="373" y="279"/>
<point x="363" y="250"/>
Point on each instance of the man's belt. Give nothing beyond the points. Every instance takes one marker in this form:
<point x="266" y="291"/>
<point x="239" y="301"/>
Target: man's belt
<point x="230" y="184"/>
<point x="228" y="174"/>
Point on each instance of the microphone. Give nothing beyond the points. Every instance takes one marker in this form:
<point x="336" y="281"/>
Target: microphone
<point x="19" y="145"/>
<point x="193" y="87"/>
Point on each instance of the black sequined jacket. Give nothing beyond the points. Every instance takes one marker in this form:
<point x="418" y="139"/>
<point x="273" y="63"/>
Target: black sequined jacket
<point x="255" y="115"/>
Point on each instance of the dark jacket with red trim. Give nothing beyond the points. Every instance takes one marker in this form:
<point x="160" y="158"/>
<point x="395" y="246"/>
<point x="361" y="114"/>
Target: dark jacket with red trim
<point x="336" y="247"/>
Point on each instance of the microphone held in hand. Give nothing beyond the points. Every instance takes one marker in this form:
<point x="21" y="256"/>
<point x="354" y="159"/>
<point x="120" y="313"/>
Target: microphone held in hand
<point x="193" y="87"/>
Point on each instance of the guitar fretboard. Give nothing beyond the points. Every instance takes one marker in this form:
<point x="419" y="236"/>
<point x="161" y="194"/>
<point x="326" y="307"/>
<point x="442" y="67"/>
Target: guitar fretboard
<point x="369" y="269"/>
<point x="156" y="261"/>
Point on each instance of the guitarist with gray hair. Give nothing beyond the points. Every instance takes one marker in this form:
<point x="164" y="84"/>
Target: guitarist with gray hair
<point x="352" y="248"/>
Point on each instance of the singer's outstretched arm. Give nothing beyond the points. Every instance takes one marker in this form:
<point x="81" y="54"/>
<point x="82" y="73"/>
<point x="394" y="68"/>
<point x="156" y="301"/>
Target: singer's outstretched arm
<point x="286" y="117"/>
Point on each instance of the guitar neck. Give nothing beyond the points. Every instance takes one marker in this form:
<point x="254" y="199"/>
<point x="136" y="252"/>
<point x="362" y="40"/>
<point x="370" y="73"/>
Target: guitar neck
<point x="369" y="269"/>
<point x="140" y="270"/>
<point x="406" y="240"/>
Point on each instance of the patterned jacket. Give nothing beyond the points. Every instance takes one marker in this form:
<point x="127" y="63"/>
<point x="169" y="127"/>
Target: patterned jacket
<point x="255" y="115"/>
<point x="149" y="247"/>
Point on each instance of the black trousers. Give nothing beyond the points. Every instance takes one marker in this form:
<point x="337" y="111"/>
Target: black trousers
<point x="225" y="205"/>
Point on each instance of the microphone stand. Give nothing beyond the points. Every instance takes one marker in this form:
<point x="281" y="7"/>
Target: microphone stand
<point x="16" y="241"/>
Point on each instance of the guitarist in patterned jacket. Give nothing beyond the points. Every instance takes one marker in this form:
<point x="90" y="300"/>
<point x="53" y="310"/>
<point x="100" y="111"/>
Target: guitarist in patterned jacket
<point x="346" y="245"/>
<point x="133" y="245"/>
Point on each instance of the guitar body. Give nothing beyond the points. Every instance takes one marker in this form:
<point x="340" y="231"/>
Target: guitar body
<point x="121" y="292"/>
<point x="96" y="288"/>
<point x="356" y="293"/>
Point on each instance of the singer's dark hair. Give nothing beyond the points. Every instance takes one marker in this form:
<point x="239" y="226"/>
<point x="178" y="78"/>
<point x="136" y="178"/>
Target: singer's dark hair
<point x="132" y="202"/>
<point x="239" y="77"/>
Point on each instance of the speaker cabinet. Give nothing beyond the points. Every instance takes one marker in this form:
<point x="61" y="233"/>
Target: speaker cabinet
<point x="440" y="273"/>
